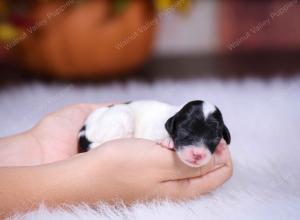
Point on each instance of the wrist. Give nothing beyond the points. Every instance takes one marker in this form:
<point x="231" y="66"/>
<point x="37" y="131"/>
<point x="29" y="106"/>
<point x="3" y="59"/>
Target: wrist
<point x="81" y="179"/>
<point x="95" y="182"/>
<point x="53" y="184"/>
<point x="101" y="177"/>
<point x="20" y="150"/>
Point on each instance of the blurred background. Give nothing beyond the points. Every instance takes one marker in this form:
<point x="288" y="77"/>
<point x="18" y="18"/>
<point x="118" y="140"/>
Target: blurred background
<point x="93" y="40"/>
<point x="238" y="54"/>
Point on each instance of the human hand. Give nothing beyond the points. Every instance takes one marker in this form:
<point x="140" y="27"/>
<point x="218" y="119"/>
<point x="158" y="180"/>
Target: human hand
<point x="81" y="42"/>
<point x="53" y="139"/>
<point x="137" y="169"/>
<point x="56" y="135"/>
<point x="127" y="169"/>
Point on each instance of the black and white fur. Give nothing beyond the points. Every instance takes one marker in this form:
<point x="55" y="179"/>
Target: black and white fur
<point x="193" y="130"/>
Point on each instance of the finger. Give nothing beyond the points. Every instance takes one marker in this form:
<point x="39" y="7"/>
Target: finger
<point x="221" y="146"/>
<point x="208" y="182"/>
<point x="174" y="170"/>
<point x="222" y="157"/>
<point x="162" y="164"/>
<point x="191" y="188"/>
<point x="168" y="167"/>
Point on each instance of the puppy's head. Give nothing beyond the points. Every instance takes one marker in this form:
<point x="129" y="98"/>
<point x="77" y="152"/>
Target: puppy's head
<point x="196" y="130"/>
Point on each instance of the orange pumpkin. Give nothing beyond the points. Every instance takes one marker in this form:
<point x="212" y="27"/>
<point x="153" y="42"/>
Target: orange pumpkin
<point x="86" y="41"/>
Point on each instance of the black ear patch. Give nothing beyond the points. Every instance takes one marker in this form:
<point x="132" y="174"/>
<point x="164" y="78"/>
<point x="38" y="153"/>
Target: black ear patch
<point x="170" y="125"/>
<point x="226" y="135"/>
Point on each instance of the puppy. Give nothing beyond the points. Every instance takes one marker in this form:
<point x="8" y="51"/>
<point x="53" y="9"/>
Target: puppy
<point x="194" y="130"/>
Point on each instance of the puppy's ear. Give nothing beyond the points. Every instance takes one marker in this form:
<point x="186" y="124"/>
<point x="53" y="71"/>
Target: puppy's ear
<point x="226" y="135"/>
<point x="170" y="125"/>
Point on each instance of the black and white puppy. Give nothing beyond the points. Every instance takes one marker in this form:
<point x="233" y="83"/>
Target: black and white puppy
<point x="194" y="130"/>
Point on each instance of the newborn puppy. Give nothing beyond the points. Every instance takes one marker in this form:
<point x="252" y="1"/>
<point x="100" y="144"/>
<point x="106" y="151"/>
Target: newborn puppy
<point x="194" y="130"/>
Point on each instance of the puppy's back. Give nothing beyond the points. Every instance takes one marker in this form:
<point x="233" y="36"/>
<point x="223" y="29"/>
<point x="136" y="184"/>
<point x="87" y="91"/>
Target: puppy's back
<point x="150" y="118"/>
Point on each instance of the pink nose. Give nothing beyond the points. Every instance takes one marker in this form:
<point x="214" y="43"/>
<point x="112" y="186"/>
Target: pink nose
<point x="198" y="154"/>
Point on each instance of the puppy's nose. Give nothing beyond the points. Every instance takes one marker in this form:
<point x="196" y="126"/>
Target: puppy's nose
<point x="198" y="154"/>
<point x="194" y="156"/>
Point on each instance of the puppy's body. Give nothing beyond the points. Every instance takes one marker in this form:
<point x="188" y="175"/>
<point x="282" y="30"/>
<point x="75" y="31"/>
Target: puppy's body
<point x="193" y="130"/>
<point x="139" y="119"/>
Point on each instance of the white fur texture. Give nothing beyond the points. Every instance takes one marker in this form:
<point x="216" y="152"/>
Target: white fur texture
<point x="208" y="109"/>
<point x="139" y="119"/>
<point x="262" y="116"/>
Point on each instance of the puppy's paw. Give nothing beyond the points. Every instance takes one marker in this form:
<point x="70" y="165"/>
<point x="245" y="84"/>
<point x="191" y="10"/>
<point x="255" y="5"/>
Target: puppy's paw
<point x="167" y="143"/>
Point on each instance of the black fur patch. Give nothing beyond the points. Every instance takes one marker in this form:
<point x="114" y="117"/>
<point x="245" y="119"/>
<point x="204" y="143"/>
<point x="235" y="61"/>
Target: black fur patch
<point x="125" y="103"/>
<point x="83" y="128"/>
<point x="83" y="144"/>
<point x="189" y="127"/>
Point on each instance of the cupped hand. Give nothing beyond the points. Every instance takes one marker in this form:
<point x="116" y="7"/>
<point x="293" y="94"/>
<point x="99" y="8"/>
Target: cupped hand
<point x="137" y="169"/>
<point x="56" y="136"/>
<point x="127" y="169"/>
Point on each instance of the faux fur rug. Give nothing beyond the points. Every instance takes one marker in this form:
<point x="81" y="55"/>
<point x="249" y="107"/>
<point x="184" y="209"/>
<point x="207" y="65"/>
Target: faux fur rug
<point x="264" y="120"/>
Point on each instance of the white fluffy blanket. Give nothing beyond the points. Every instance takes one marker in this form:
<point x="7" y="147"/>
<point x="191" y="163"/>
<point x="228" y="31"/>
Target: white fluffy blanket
<point x="264" y="120"/>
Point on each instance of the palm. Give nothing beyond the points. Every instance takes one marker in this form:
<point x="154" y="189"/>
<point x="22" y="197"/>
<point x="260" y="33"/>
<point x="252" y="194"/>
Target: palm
<point x="57" y="133"/>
